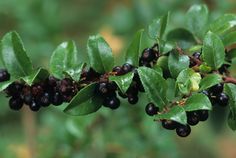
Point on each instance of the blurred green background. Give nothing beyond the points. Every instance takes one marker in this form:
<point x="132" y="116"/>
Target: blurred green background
<point x="124" y="133"/>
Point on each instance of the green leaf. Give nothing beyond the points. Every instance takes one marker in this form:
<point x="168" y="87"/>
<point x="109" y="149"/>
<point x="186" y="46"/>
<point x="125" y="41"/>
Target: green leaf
<point x="184" y="81"/>
<point x="197" y="18"/>
<point x="14" y="57"/>
<point x="176" y="113"/>
<point x="182" y="37"/>
<point x="132" y="54"/>
<point x="157" y="29"/>
<point x="75" y="73"/>
<point x="154" y="85"/>
<point x="229" y="39"/>
<point x="223" y="24"/>
<point x="171" y="89"/>
<point x="37" y="76"/>
<point x="100" y="54"/>
<point x="230" y="90"/>
<point x="123" y="81"/>
<point x="85" y="102"/>
<point x="209" y="81"/>
<point x="158" y="69"/>
<point x="213" y="51"/>
<point x="197" y="101"/>
<point x="64" y="59"/>
<point x="177" y="63"/>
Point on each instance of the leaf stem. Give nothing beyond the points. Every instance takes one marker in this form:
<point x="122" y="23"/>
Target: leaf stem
<point x="229" y="80"/>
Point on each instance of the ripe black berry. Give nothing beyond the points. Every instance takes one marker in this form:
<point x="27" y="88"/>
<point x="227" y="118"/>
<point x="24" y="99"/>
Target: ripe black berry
<point x="102" y="88"/>
<point x="127" y="68"/>
<point x="169" y="124"/>
<point x="151" y="109"/>
<point x="203" y="115"/>
<point x="57" y="99"/>
<point x="183" y="130"/>
<point x="216" y="89"/>
<point x="4" y="75"/>
<point x="118" y="70"/>
<point x="132" y="99"/>
<point x="28" y="98"/>
<point x="44" y="100"/>
<point x="197" y="55"/>
<point x="148" y="55"/>
<point x="222" y="99"/>
<point x="15" y="103"/>
<point x="34" y="106"/>
<point x="192" y="118"/>
<point x="205" y="92"/>
<point x="112" y="102"/>
<point x="14" y="89"/>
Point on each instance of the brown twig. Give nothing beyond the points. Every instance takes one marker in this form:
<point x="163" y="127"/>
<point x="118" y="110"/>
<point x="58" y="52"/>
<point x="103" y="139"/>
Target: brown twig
<point x="229" y="80"/>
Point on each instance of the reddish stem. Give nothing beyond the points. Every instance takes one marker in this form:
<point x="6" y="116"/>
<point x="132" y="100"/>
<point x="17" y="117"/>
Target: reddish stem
<point x="229" y="80"/>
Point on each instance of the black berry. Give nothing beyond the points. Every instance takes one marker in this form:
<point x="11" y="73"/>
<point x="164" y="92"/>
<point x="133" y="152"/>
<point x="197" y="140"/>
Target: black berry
<point x="203" y="115"/>
<point x="206" y="93"/>
<point x="183" y="130"/>
<point x="34" y="106"/>
<point x="44" y="100"/>
<point x="4" y="75"/>
<point x="197" y="55"/>
<point x="28" y="98"/>
<point x="57" y="99"/>
<point x="15" y="103"/>
<point x="216" y="89"/>
<point x="127" y="68"/>
<point x="148" y="55"/>
<point x="169" y="124"/>
<point x="14" y="89"/>
<point x="118" y="70"/>
<point x="151" y="109"/>
<point x="222" y="99"/>
<point x="112" y="102"/>
<point x="192" y="118"/>
<point x="133" y="99"/>
<point x="102" y="88"/>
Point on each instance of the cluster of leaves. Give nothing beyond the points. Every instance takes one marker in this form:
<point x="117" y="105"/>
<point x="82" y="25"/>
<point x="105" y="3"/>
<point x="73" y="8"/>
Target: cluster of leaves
<point x="171" y="84"/>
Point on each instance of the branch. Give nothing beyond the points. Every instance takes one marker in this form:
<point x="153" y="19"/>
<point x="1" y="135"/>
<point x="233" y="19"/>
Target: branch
<point x="229" y="80"/>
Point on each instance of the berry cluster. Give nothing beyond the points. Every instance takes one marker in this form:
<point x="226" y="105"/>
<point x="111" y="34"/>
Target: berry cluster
<point x="149" y="56"/>
<point x="50" y="91"/>
<point x="193" y="118"/>
<point x="216" y="95"/>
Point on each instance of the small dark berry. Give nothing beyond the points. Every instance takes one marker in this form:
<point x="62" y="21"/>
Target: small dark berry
<point x="16" y="103"/>
<point x="203" y="115"/>
<point x="216" y="89"/>
<point x="34" y="106"/>
<point x="197" y="55"/>
<point x="151" y="109"/>
<point x="14" y="89"/>
<point x="4" y="75"/>
<point x="183" y="130"/>
<point x="45" y="100"/>
<point x="192" y="118"/>
<point x="127" y="68"/>
<point x="148" y="55"/>
<point x="144" y="63"/>
<point x="112" y="102"/>
<point x="223" y="68"/>
<point x="28" y="98"/>
<point x="118" y="70"/>
<point x="57" y="99"/>
<point x="102" y="88"/>
<point x="169" y="124"/>
<point x="206" y="93"/>
<point x="132" y="99"/>
<point x="222" y="99"/>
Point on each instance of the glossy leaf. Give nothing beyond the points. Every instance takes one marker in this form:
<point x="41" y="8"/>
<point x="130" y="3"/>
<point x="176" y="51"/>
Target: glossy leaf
<point x="223" y="24"/>
<point x="171" y="89"/>
<point x="177" y="63"/>
<point x="182" y="37"/>
<point x="213" y="51"/>
<point x="123" y="81"/>
<point x="230" y="90"/>
<point x="132" y="54"/>
<point x="85" y="102"/>
<point x="197" y="101"/>
<point x="229" y="39"/>
<point x="64" y="59"/>
<point x="197" y="18"/>
<point x="14" y="57"/>
<point x="209" y="81"/>
<point x="37" y="76"/>
<point x="157" y="29"/>
<point x="176" y="113"/>
<point x="75" y="73"/>
<point x="154" y="85"/>
<point x="158" y="69"/>
<point x="4" y="85"/>
<point x="100" y="54"/>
